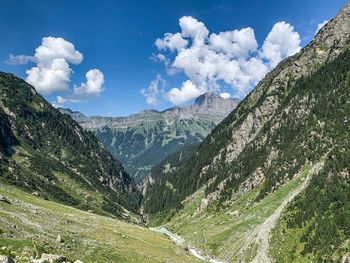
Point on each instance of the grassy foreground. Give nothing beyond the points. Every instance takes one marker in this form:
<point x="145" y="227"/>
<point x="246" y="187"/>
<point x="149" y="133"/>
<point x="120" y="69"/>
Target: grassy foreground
<point x="30" y="226"/>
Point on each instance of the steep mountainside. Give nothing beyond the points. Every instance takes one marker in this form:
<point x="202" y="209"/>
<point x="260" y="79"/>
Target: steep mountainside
<point x="142" y="140"/>
<point x="47" y="153"/>
<point x="251" y="167"/>
<point x="171" y="163"/>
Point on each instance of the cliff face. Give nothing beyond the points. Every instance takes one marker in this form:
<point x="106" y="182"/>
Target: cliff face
<point x="142" y="140"/>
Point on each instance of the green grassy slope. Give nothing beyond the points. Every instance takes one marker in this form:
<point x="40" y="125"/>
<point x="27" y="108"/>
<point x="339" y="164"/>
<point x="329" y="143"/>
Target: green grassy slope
<point x="231" y="233"/>
<point x="29" y="226"/>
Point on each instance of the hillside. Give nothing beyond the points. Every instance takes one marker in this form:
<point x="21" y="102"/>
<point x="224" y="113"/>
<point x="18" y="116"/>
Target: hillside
<point x="292" y="128"/>
<point x="30" y="226"/>
<point x="48" y="154"/>
<point x="142" y="140"/>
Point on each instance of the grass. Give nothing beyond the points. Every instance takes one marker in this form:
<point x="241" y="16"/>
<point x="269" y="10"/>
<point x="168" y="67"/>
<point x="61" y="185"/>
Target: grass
<point x="224" y="234"/>
<point x="29" y="226"/>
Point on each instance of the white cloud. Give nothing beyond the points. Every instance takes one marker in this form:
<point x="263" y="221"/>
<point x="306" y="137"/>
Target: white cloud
<point x="161" y="58"/>
<point x="236" y="43"/>
<point x="192" y="28"/>
<point x="187" y="91"/>
<point x="52" y="73"/>
<point x="225" y="95"/>
<point x="154" y="90"/>
<point x="19" y="60"/>
<point x="232" y="58"/>
<point x="319" y="26"/>
<point x="280" y="43"/>
<point x="171" y="41"/>
<point x="59" y="102"/>
<point x="93" y="86"/>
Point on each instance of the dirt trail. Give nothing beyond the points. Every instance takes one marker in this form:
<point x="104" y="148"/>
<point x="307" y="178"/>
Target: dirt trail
<point x="264" y="230"/>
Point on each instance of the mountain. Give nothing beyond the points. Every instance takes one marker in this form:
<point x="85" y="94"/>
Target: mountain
<point x="271" y="182"/>
<point x="142" y="140"/>
<point x="48" y="154"/>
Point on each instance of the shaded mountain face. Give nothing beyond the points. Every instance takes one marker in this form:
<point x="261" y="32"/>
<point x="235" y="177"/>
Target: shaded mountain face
<point x="296" y="117"/>
<point x="142" y="140"/>
<point x="48" y="154"/>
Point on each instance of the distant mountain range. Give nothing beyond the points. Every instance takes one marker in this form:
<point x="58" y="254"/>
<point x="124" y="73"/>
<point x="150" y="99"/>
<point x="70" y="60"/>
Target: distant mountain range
<point x="142" y="140"/>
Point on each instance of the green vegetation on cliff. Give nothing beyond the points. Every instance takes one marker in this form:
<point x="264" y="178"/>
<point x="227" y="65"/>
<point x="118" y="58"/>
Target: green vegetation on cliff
<point x="47" y="153"/>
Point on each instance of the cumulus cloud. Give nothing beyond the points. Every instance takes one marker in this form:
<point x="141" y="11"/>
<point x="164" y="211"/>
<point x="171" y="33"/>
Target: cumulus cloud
<point x="225" y="95"/>
<point x="236" y="43"/>
<point x="171" y="41"/>
<point x="280" y="43"/>
<point x="59" y="102"/>
<point x="192" y="28"/>
<point x="93" y="86"/>
<point x="154" y="90"/>
<point x="52" y="72"/>
<point x="320" y="25"/>
<point x="186" y="92"/>
<point x="232" y="58"/>
<point x="19" y="60"/>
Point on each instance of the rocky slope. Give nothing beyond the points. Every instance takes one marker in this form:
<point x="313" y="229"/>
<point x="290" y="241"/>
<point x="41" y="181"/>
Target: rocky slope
<point x="48" y="154"/>
<point x="294" y="118"/>
<point x="142" y="140"/>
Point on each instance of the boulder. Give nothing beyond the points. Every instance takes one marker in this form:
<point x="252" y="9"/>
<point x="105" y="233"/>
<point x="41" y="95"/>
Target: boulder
<point x="51" y="258"/>
<point x="4" y="199"/>
<point x="346" y="259"/>
<point x="59" y="239"/>
<point x="5" y="259"/>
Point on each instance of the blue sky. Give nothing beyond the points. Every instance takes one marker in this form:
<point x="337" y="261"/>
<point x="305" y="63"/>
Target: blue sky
<point x="118" y="38"/>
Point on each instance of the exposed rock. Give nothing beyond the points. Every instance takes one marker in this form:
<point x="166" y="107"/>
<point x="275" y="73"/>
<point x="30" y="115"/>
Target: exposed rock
<point x="5" y="259"/>
<point x="4" y="199"/>
<point x="346" y="259"/>
<point x="235" y="213"/>
<point x="59" y="239"/>
<point x="50" y="258"/>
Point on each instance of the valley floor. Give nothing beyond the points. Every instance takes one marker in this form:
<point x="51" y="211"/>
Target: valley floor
<point x="30" y="226"/>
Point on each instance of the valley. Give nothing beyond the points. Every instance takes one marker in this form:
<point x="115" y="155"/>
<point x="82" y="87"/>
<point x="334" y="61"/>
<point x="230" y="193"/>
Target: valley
<point x="142" y="140"/>
<point x="265" y="179"/>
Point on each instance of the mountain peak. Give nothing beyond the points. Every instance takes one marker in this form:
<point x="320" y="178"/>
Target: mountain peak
<point x="211" y="101"/>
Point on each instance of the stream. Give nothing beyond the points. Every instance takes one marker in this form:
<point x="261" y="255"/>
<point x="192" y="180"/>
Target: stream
<point x="179" y="241"/>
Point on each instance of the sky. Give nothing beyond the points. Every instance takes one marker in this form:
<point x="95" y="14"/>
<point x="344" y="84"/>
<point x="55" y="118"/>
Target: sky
<point x="115" y="58"/>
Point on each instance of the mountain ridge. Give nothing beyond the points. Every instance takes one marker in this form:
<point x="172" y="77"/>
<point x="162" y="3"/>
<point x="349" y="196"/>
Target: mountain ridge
<point x="144" y="139"/>
<point x="45" y="152"/>
<point x="207" y="106"/>
<point x="295" y="118"/>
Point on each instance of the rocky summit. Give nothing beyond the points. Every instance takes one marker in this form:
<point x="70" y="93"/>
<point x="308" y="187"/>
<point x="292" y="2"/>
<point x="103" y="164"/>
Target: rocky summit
<point x="142" y="140"/>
